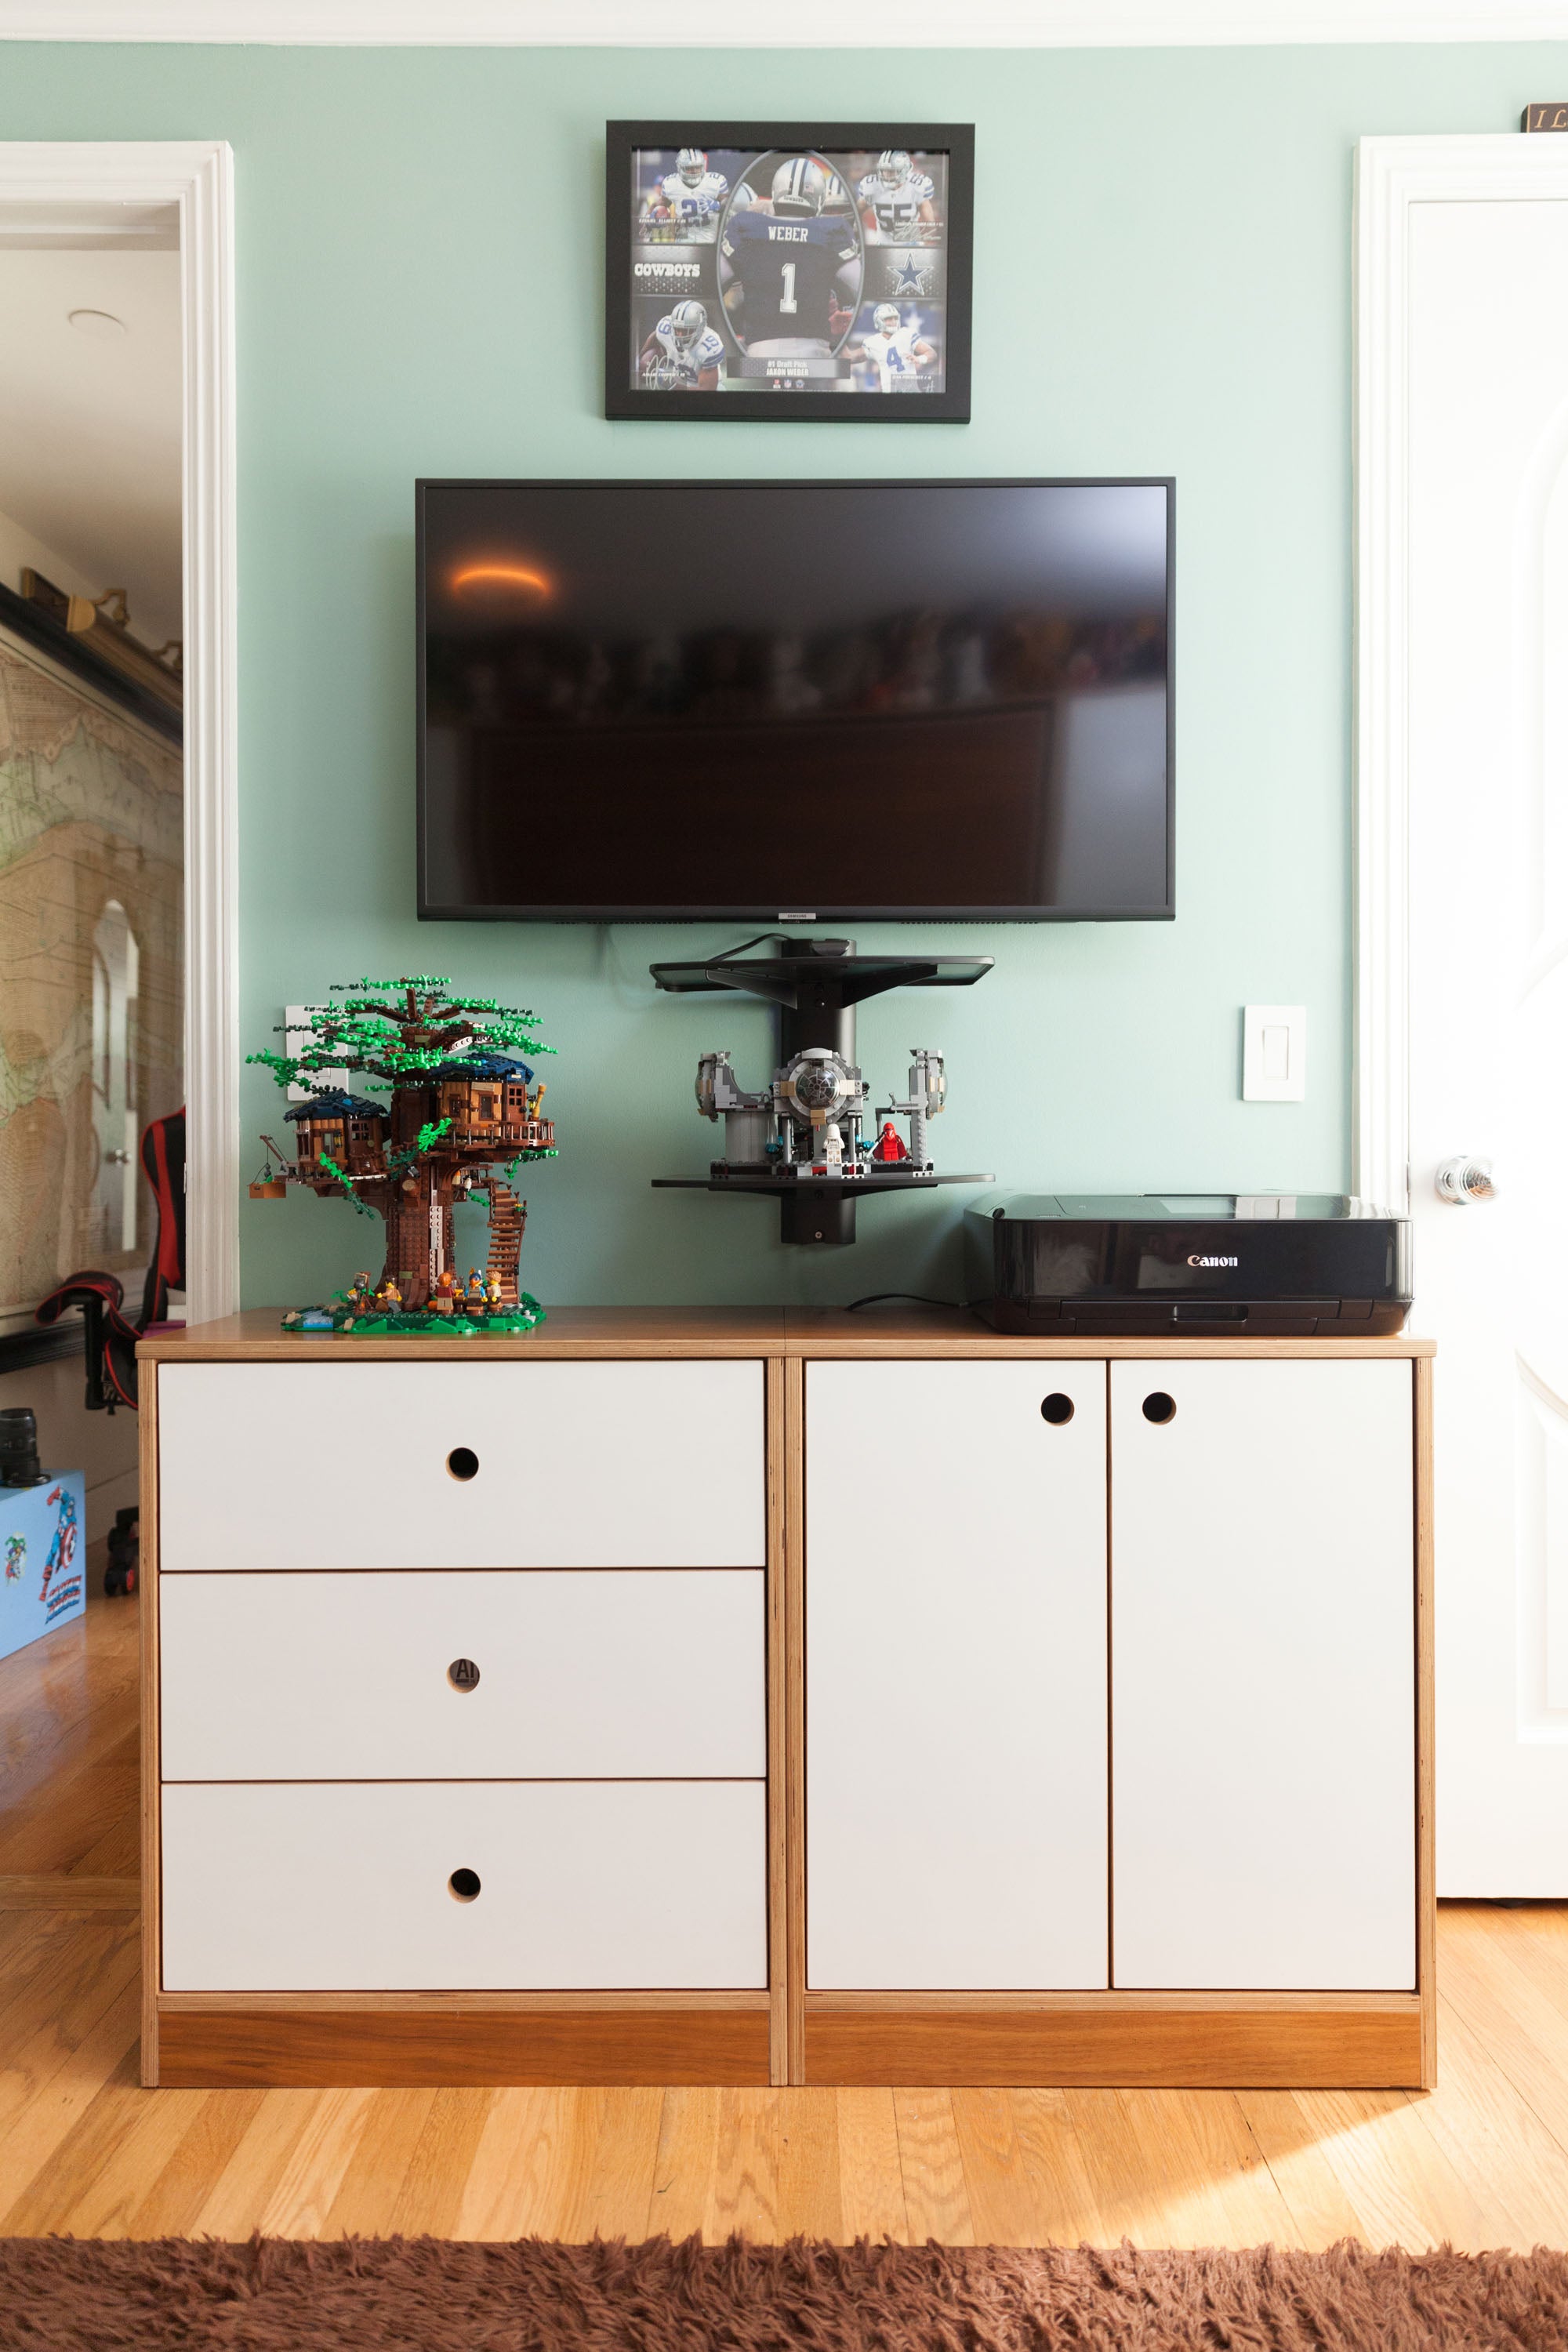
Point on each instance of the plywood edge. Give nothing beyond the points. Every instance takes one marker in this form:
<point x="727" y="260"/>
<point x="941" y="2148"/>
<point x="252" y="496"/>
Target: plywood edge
<point x="152" y="1756"/>
<point x="775" y="1468"/>
<point x="956" y="1336"/>
<point x="322" y="2049"/>
<point x="1126" y="2004"/>
<point x="459" y="2004"/>
<point x="1426" y="1729"/>
<point x="1234" y="2047"/>
<point x="794" y="1734"/>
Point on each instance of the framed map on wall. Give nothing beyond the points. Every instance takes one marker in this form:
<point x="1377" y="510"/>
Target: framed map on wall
<point x="92" y="997"/>
<point x="788" y="269"/>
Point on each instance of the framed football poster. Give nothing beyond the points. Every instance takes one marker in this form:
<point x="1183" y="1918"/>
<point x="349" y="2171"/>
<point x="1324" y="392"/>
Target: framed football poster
<point x="788" y="269"/>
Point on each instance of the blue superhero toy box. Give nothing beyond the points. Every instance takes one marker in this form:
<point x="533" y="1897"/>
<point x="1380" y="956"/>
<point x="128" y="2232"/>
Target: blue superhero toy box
<point x="43" y="1529"/>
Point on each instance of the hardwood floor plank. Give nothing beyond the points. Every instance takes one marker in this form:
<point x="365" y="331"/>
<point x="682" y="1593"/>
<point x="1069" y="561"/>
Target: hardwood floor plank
<point x="613" y="2165"/>
<point x="1403" y="2186"/>
<point x="106" y="2055"/>
<point x="870" y="2178"/>
<point x="1009" y="2201"/>
<point x="1515" y="2169"/>
<point x="1495" y="1983"/>
<point x="743" y="2189"/>
<point x="936" y="2195"/>
<point x="238" y="2194"/>
<point x="299" y="2199"/>
<point x="1256" y="2213"/>
<point x="1053" y="2156"/>
<point x="1320" y="2207"/>
<point x="68" y="1891"/>
<point x="170" y="2202"/>
<point x="810" y="2197"/>
<point x="522" y="2167"/>
<point x="96" y="2179"/>
<point x="382" y="2160"/>
<point x="685" y="2164"/>
<point x="431" y="2196"/>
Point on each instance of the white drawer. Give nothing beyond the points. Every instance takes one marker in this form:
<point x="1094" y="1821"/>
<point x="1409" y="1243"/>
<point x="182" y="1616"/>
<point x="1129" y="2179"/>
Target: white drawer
<point x="643" y="1674"/>
<point x="344" y="1887"/>
<point x="346" y="1465"/>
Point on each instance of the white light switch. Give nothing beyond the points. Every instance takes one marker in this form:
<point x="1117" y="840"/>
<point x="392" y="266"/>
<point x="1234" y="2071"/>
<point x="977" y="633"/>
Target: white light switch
<point x="1274" y="1052"/>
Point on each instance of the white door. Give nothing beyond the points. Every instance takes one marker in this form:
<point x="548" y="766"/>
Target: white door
<point x="1263" y="1676"/>
<point x="1485" y="687"/>
<point x="955" y="1735"/>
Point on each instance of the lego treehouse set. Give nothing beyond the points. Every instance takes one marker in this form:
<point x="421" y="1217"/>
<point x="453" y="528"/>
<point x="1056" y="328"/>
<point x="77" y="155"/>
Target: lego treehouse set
<point x="464" y="1116"/>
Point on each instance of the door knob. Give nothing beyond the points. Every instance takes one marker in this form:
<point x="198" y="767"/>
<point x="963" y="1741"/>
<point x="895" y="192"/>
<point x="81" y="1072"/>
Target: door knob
<point x="1464" y="1179"/>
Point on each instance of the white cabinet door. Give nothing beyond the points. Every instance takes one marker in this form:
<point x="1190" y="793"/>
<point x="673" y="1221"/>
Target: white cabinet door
<point x="577" y="1673"/>
<point x="460" y="1465"/>
<point x="955" y="1625"/>
<point x="571" y="1885"/>
<point x="1263" y="1649"/>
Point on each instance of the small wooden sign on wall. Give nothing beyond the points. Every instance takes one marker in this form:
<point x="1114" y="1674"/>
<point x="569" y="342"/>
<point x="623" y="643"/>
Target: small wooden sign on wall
<point x="1545" y="118"/>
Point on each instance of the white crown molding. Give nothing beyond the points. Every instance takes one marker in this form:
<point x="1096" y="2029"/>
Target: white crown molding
<point x="1394" y="175"/>
<point x="105" y="184"/>
<point x="810" y="24"/>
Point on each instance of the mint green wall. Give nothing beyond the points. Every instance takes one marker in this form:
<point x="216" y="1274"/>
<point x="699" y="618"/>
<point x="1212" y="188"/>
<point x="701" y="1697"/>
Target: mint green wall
<point x="1162" y="286"/>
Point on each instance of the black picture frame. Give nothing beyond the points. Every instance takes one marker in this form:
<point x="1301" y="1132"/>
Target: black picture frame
<point x="627" y="399"/>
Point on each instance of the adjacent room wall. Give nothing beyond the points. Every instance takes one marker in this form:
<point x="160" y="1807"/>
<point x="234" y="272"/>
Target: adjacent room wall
<point x="1162" y="286"/>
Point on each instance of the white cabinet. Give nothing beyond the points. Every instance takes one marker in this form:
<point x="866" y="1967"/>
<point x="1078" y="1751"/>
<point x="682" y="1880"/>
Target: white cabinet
<point x="955" y="1614"/>
<point x="497" y="1464"/>
<point x="570" y="1886"/>
<point x="455" y="1674"/>
<point x="1263" y="1640"/>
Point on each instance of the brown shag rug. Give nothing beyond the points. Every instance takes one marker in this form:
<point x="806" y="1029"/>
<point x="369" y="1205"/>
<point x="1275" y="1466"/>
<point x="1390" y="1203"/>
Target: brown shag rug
<point x="433" y="2295"/>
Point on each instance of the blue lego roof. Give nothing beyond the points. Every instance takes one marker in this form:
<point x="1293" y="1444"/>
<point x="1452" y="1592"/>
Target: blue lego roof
<point x="484" y="1066"/>
<point x="335" y="1102"/>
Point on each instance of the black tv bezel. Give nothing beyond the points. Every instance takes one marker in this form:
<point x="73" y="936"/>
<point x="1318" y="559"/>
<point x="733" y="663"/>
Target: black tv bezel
<point x="625" y="401"/>
<point x="756" y="911"/>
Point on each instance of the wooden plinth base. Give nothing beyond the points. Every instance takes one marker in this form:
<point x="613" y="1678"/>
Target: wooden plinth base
<point x="400" y="2048"/>
<point x="1372" y="2045"/>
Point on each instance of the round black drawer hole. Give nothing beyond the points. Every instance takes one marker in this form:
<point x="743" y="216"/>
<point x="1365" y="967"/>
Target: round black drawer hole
<point x="463" y="1461"/>
<point x="464" y="1885"/>
<point x="1056" y="1409"/>
<point x="1159" y="1407"/>
<point x="463" y="1674"/>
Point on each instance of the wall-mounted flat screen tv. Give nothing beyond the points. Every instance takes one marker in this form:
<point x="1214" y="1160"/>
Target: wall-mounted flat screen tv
<point x="795" y="701"/>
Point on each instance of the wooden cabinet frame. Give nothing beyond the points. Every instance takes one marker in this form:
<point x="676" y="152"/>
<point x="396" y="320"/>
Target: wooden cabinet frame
<point x="786" y="2035"/>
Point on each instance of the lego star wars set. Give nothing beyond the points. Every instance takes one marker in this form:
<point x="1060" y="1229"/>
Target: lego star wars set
<point x="808" y="1121"/>
<point x="810" y="1138"/>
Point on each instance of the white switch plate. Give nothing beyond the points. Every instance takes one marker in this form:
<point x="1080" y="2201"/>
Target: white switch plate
<point x="1274" y="1052"/>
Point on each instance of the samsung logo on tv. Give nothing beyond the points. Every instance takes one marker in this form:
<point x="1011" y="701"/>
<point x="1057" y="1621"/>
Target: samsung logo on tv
<point x="1214" y="1261"/>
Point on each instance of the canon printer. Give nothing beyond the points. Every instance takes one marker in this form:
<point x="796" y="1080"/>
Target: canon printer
<point x="1273" y="1264"/>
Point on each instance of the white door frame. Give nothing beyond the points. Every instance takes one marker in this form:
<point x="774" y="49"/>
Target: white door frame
<point x="1392" y="175"/>
<point x="196" y="175"/>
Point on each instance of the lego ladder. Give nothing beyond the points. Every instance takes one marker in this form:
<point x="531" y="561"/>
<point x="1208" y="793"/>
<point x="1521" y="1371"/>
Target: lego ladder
<point x="507" y="1217"/>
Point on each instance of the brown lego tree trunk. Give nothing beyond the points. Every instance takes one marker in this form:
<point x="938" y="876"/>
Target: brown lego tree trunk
<point x="407" y="1213"/>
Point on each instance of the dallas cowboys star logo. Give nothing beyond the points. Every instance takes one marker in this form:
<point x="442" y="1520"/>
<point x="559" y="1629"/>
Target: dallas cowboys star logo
<point x="909" y="276"/>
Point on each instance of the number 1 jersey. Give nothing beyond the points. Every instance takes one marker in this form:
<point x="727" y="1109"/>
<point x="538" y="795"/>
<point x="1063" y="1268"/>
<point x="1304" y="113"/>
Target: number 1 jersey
<point x="787" y="269"/>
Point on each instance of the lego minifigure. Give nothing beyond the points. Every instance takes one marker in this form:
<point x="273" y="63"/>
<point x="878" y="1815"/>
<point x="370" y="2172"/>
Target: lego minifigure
<point x="493" y="1293"/>
<point x="475" y="1297"/>
<point x="889" y="1145"/>
<point x="389" y="1298"/>
<point x="445" y="1292"/>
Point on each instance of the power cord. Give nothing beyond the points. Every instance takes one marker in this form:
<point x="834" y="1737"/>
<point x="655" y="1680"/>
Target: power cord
<point x="918" y="1299"/>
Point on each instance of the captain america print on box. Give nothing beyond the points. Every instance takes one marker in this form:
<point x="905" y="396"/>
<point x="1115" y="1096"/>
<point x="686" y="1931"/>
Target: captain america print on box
<point x="817" y="270"/>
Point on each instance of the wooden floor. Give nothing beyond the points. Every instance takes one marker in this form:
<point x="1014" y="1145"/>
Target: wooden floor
<point x="1483" y="2161"/>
